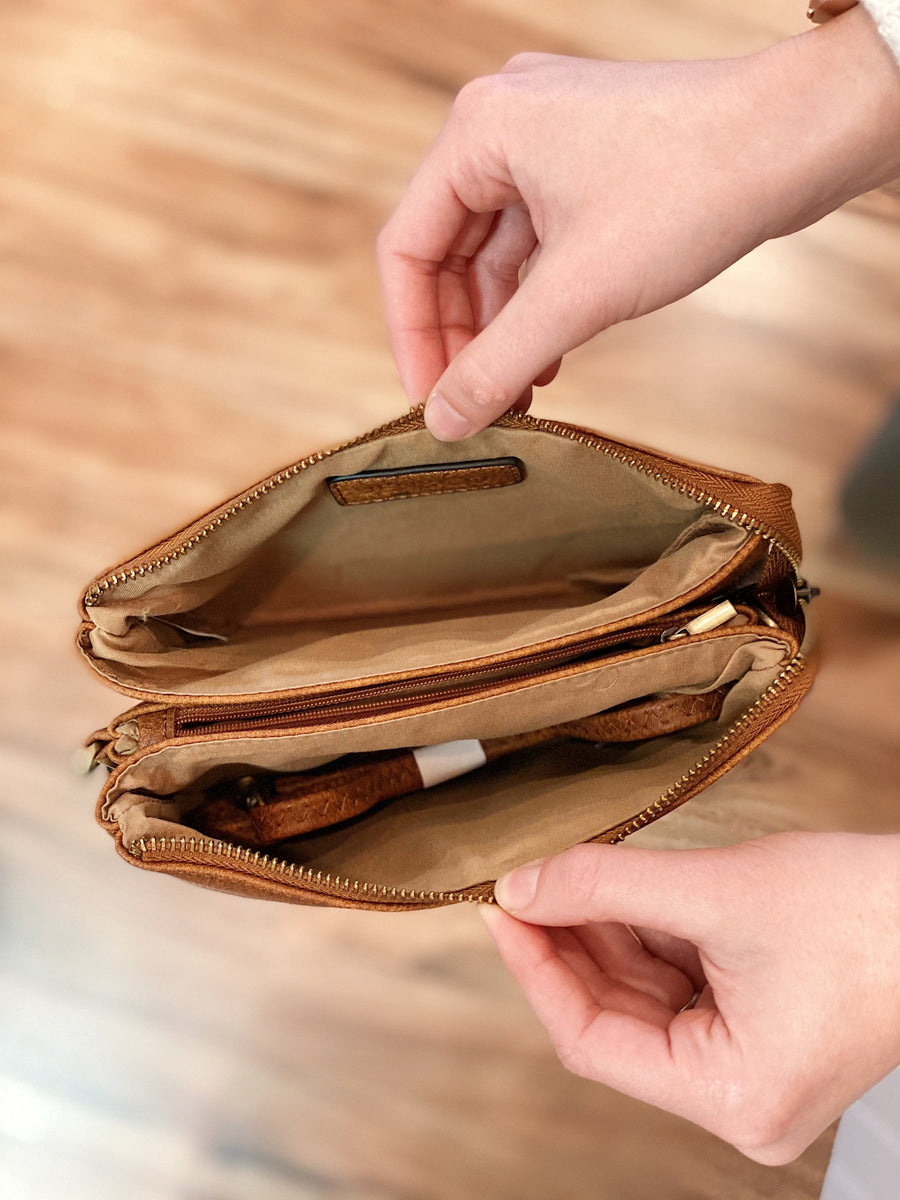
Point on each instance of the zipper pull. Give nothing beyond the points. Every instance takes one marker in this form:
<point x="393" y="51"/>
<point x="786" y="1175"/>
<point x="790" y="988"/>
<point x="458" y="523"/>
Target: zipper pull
<point x="107" y="747"/>
<point x="85" y="757"/>
<point x="709" y="620"/>
<point x="93" y="752"/>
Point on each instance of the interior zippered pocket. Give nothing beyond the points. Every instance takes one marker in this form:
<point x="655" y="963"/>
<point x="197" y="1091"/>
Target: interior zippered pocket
<point x="285" y="877"/>
<point x="438" y="687"/>
<point x="150" y="722"/>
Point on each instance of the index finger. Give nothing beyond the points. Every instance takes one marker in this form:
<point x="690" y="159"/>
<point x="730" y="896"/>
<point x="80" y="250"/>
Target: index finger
<point x="433" y="231"/>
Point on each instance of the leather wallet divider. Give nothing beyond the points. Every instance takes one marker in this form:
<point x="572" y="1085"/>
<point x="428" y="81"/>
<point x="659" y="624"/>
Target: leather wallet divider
<point x="470" y="829"/>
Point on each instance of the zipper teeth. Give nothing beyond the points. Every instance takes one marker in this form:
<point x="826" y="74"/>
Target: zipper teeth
<point x="726" y="510"/>
<point x="670" y="796"/>
<point x="303" y="875"/>
<point x="323" y="882"/>
<point x="289" y="708"/>
<point x="410" y="421"/>
<point x="95" y="592"/>
<point x="196" y="719"/>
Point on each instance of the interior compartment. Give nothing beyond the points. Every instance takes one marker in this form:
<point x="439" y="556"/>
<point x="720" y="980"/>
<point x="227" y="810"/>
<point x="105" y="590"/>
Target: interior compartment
<point x="294" y="590"/>
<point x="473" y="828"/>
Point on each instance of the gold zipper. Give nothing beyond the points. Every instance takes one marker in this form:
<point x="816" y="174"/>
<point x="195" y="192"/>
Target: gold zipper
<point x="730" y="511"/>
<point x="95" y="592"/>
<point x="325" y="884"/>
<point x="670" y="797"/>
<point x="330" y="706"/>
<point x="126" y="735"/>
<point x="412" y="421"/>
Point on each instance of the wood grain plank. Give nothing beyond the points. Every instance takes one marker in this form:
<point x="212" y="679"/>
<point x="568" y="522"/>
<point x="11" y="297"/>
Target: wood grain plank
<point x="189" y="194"/>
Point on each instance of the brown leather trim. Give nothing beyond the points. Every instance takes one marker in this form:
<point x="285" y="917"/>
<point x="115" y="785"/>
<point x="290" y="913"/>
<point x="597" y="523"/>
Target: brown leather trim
<point x="373" y="487"/>
<point x="155" y="726"/>
<point x="247" y="879"/>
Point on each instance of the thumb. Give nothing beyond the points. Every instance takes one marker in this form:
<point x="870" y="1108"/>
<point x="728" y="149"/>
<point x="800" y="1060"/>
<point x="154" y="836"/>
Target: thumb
<point x="681" y="892"/>
<point x="531" y="332"/>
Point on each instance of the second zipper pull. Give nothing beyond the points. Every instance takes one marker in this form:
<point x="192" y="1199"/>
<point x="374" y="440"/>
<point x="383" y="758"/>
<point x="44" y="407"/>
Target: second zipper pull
<point x="711" y="619"/>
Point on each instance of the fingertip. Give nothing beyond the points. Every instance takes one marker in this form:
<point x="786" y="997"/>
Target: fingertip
<point x="445" y="422"/>
<point x="505" y="930"/>
<point x="491" y="914"/>
<point x="517" y="889"/>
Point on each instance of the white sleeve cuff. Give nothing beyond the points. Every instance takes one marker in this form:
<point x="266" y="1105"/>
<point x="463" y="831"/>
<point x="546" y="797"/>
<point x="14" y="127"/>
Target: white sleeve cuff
<point x="886" y="15"/>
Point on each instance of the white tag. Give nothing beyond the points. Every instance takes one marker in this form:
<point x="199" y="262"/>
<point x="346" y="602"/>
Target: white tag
<point x="438" y="763"/>
<point x="85" y="758"/>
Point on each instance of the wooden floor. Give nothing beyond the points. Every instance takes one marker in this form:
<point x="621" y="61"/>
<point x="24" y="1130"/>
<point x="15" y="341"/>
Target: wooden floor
<point x="189" y="192"/>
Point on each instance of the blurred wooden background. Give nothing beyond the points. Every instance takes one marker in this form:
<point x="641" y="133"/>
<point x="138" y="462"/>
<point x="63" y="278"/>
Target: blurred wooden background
<point x="189" y="192"/>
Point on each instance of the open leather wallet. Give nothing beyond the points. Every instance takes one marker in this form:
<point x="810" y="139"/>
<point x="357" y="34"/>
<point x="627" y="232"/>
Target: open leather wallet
<point x="394" y="670"/>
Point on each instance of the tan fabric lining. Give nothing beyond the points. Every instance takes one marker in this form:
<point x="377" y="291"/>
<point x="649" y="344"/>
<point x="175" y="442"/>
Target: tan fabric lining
<point x="306" y="591"/>
<point x="471" y="829"/>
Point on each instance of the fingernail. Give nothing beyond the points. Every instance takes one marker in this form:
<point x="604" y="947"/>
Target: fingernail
<point x="444" y="421"/>
<point x="516" y="890"/>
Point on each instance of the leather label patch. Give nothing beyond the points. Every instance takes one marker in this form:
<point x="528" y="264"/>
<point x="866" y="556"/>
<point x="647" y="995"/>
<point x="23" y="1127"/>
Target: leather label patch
<point x="436" y="479"/>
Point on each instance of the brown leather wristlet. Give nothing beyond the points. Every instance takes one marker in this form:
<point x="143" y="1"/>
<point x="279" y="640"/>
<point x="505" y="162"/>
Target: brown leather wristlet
<point x="392" y="593"/>
<point x="258" y="811"/>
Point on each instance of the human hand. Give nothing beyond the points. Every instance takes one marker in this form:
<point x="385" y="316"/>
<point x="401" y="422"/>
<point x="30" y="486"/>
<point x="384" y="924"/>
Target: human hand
<point x="792" y="941"/>
<point x="620" y="187"/>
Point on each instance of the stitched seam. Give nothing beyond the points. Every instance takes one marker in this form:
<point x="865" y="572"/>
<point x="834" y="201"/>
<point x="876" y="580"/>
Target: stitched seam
<point x="466" y="478"/>
<point x="440" y="491"/>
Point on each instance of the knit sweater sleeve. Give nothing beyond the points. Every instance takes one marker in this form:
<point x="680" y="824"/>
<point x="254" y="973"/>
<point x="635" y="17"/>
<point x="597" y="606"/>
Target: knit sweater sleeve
<point x="886" y="15"/>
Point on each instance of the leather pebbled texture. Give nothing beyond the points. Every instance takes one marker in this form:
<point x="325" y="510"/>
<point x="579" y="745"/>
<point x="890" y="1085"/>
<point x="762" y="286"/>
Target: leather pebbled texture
<point x="372" y="487"/>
